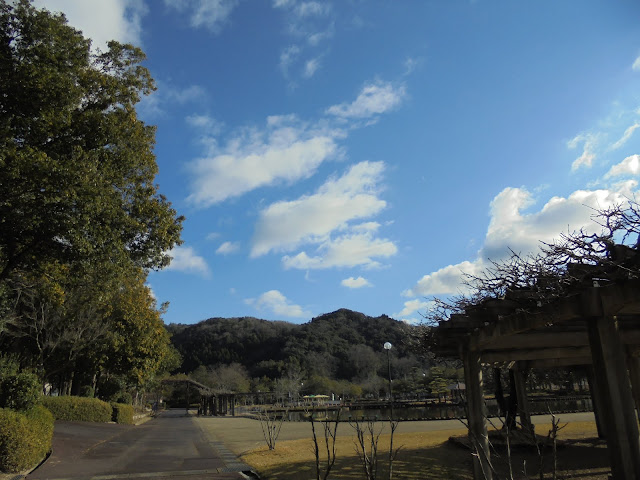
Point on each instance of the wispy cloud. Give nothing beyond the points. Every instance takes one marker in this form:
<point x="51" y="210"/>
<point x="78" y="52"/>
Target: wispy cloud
<point x="636" y="65"/>
<point x="186" y="260"/>
<point x="102" y="21"/>
<point x="410" y="64"/>
<point x="284" y="225"/>
<point x="374" y="98"/>
<point x="625" y="137"/>
<point x="288" y="57"/>
<point x="275" y="302"/>
<point x="352" y="282"/>
<point x="228" y="248"/>
<point x="589" y="142"/>
<point x="310" y="24"/>
<point x="311" y="67"/>
<point x="286" y="150"/>
<point x="156" y="104"/>
<point x="210" y="14"/>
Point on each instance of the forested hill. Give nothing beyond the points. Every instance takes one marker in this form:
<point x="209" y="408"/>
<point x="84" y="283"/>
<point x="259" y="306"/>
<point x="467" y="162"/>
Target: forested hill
<point x="342" y="344"/>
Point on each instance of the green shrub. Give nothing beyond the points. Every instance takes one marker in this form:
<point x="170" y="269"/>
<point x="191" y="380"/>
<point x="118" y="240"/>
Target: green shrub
<point x="87" y="391"/>
<point x="78" y="409"/>
<point x="123" y="397"/>
<point x="9" y="365"/>
<point x="20" y="391"/>
<point x="25" y="438"/>
<point x="122" y="413"/>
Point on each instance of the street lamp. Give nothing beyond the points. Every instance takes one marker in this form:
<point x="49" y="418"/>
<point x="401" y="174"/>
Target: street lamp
<point x="387" y="347"/>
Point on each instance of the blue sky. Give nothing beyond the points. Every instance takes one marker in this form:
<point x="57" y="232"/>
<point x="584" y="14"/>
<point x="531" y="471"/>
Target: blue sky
<point x="363" y="153"/>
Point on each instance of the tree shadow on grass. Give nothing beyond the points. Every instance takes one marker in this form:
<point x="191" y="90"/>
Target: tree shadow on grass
<point x="584" y="459"/>
<point x="440" y="462"/>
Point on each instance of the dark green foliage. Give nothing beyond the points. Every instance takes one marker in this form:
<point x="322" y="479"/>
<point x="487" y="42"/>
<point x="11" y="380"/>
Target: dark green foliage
<point x="111" y="388"/>
<point x="122" y="413"/>
<point x="87" y="391"/>
<point x="75" y="161"/>
<point x="78" y="409"/>
<point x="124" y="397"/>
<point x="82" y="220"/>
<point x="20" y="391"/>
<point x="244" y="340"/>
<point x="25" y="438"/>
<point x="343" y="345"/>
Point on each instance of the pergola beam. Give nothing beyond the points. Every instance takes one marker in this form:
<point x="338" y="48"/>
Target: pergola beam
<point x="534" y="354"/>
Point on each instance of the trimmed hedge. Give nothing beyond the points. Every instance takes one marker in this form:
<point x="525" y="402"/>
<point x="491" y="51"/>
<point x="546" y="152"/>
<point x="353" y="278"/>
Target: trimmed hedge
<point x="25" y="438"/>
<point x="122" y="413"/>
<point x="20" y="391"/>
<point x="78" y="409"/>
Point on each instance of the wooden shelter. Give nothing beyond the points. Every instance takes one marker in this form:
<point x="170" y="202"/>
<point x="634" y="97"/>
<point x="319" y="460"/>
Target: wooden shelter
<point x="595" y="323"/>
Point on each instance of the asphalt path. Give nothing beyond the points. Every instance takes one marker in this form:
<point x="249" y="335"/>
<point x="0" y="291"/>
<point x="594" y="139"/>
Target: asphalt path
<point x="171" y="445"/>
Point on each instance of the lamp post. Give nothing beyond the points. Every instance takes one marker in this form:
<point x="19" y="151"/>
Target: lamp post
<point x="387" y="347"/>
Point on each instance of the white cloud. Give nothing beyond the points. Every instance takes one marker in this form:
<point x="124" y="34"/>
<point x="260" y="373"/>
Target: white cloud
<point x="636" y="65"/>
<point x="345" y="251"/>
<point x="314" y="39"/>
<point x="253" y="159"/>
<point x="227" y="248"/>
<point x="287" y="57"/>
<point x="310" y="219"/>
<point x="205" y="122"/>
<point x="626" y="136"/>
<point x="276" y="303"/>
<point x="446" y="281"/>
<point x="311" y="67"/>
<point x="355" y="282"/>
<point x="213" y="235"/>
<point x="410" y="64"/>
<point x="311" y="9"/>
<point x="154" y="105"/>
<point x="366" y="227"/>
<point x="310" y="23"/>
<point x="102" y="21"/>
<point x="629" y="166"/>
<point x="589" y="142"/>
<point x="211" y="14"/>
<point x="411" y="307"/>
<point x="185" y="259"/>
<point x="375" y="98"/>
<point x="510" y="228"/>
<point x="304" y="9"/>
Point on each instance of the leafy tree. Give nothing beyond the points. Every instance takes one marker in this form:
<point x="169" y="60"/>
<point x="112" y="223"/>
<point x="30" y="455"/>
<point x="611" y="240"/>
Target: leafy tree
<point x="438" y="385"/>
<point x="76" y="164"/>
<point x="138" y="344"/>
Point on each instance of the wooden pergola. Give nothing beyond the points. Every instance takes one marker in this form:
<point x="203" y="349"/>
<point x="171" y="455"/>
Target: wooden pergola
<point x="596" y="325"/>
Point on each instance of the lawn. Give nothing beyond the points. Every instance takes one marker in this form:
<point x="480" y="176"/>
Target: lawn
<point x="429" y="455"/>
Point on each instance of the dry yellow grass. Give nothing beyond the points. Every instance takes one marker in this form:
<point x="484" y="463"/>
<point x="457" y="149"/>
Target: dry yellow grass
<point x="422" y="456"/>
<point x="428" y="455"/>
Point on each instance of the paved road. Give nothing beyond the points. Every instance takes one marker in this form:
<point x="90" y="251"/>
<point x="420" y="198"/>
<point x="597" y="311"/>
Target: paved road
<point x="170" y="446"/>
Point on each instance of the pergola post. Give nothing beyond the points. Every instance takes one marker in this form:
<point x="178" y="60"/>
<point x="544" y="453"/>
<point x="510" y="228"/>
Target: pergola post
<point x="633" y="363"/>
<point x="476" y="416"/>
<point x="612" y="382"/>
<point x="598" y="403"/>
<point x="521" y="395"/>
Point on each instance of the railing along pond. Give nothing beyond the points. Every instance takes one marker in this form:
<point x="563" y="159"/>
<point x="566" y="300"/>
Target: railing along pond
<point x="426" y="410"/>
